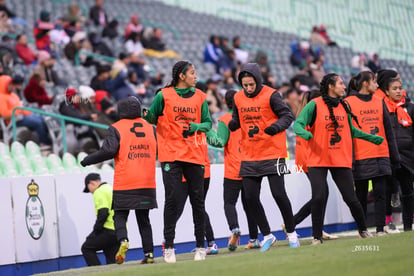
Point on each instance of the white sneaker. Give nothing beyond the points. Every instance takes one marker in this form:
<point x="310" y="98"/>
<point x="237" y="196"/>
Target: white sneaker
<point x="293" y="240"/>
<point x="169" y="255"/>
<point x="200" y="254"/>
<point x="326" y="236"/>
<point x="390" y="228"/>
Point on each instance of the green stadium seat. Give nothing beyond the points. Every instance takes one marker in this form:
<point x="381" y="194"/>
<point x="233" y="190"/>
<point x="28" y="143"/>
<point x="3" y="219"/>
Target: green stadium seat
<point x="32" y="149"/>
<point x="4" y="149"/>
<point x="17" y="149"/>
<point x="39" y="165"/>
<point x="70" y="163"/>
<point x="107" y="168"/>
<point x="23" y="165"/>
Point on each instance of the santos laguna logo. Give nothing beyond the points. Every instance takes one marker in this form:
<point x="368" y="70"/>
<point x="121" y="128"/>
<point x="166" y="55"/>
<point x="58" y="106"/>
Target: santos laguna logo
<point x="35" y="216"/>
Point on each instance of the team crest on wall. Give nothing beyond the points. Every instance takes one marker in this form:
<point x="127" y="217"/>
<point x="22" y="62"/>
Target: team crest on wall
<point x="35" y="216"/>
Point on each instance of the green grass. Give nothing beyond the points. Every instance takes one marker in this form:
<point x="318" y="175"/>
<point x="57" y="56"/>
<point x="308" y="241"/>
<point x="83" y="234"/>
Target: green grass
<point x="389" y="255"/>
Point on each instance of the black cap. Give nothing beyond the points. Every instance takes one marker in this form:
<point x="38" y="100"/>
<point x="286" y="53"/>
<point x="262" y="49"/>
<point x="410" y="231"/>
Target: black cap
<point x="18" y="79"/>
<point x="88" y="178"/>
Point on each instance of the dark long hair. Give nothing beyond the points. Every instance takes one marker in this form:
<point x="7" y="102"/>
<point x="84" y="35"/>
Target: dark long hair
<point x="307" y="97"/>
<point x="178" y="68"/>
<point x="355" y="83"/>
<point x="331" y="79"/>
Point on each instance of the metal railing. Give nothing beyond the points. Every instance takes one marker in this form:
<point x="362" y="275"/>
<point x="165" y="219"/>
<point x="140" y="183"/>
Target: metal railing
<point x="90" y="54"/>
<point x="62" y="119"/>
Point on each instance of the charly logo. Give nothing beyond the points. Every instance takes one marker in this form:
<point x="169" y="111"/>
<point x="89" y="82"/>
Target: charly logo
<point x="134" y="130"/>
<point x="167" y="167"/>
<point x="35" y="216"/>
<point x="253" y="130"/>
<point x="374" y="130"/>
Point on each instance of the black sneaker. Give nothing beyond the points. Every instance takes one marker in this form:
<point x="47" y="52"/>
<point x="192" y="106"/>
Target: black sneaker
<point x="148" y="259"/>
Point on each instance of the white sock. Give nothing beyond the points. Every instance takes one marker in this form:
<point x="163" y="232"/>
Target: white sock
<point x="268" y="236"/>
<point x="292" y="236"/>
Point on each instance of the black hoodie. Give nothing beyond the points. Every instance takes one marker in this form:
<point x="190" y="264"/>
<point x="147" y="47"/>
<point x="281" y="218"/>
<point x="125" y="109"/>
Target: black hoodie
<point x="129" y="108"/>
<point x="281" y="110"/>
<point x="279" y="107"/>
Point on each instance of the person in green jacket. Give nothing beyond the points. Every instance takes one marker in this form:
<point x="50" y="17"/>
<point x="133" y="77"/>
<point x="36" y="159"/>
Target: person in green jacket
<point x="180" y="112"/>
<point x="103" y="235"/>
<point x="330" y="141"/>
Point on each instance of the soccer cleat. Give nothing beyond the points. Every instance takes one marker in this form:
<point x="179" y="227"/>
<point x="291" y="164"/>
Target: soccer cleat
<point x="316" y="242"/>
<point x="234" y="239"/>
<point x="365" y="234"/>
<point x="200" y="254"/>
<point x="169" y="255"/>
<point x="148" y="259"/>
<point x="293" y="240"/>
<point x="381" y="234"/>
<point x="212" y="250"/>
<point x="267" y="243"/>
<point x="390" y="228"/>
<point x="253" y="244"/>
<point x="326" y="236"/>
<point x="121" y="254"/>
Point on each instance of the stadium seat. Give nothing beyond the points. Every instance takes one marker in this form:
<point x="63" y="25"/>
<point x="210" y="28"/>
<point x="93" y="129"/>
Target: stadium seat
<point x="32" y="149"/>
<point x="17" y="149"/>
<point x="70" y="163"/>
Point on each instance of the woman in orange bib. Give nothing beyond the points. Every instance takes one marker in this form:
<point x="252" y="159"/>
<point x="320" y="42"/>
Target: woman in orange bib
<point x="181" y="114"/>
<point x="330" y="142"/>
<point x="371" y="162"/>
<point x="263" y="117"/>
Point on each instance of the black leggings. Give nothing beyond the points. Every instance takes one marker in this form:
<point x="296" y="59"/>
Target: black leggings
<point x="379" y="186"/>
<point x="390" y="188"/>
<point x="405" y="178"/>
<point x="144" y="227"/>
<point x="306" y="209"/>
<point x="172" y="175"/>
<point x="181" y="203"/>
<point x="252" y="186"/>
<point x="231" y="191"/>
<point x="344" y="181"/>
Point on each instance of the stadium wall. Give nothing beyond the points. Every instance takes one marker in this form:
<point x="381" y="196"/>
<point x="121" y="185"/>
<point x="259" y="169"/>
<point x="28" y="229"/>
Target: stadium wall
<point x="68" y="217"/>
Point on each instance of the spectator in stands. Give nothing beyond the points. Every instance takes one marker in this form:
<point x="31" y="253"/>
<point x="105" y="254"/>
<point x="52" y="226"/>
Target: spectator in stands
<point x="41" y="31"/>
<point x="324" y="34"/>
<point x="134" y="26"/>
<point x="58" y="35"/>
<point x="292" y="99"/>
<point x="4" y="8"/>
<point x="8" y="55"/>
<point x="214" y="99"/>
<point x="87" y="106"/>
<point x="226" y="65"/>
<point x="129" y="86"/>
<point x="44" y="68"/>
<point x="373" y="62"/>
<point x="263" y="62"/>
<point x="133" y="44"/>
<point x="9" y="100"/>
<point x="105" y="105"/>
<point x="120" y="65"/>
<point x="224" y="43"/>
<point x="154" y="40"/>
<point x="316" y="69"/>
<point x="111" y="29"/>
<point x="212" y="50"/>
<point x="359" y="64"/>
<point x="97" y="14"/>
<point x="5" y="23"/>
<point x="74" y="14"/>
<point x="71" y="28"/>
<point x="99" y="46"/>
<point x="316" y="38"/>
<point x="101" y="81"/>
<point x="24" y="51"/>
<point x="242" y="56"/>
<point x="78" y="43"/>
<point x="70" y="107"/>
<point x="296" y="57"/>
<point x="35" y="91"/>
